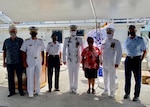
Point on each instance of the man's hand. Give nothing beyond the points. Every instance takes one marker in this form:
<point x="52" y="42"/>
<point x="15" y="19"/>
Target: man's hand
<point x="116" y="65"/>
<point x="64" y="63"/>
<point x="4" y="64"/>
<point x="25" y="64"/>
<point x="83" y="68"/>
<point x="46" y="64"/>
<point x="42" y="62"/>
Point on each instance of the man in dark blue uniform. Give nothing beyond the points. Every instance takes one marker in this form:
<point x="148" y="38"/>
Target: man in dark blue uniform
<point x="136" y="51"/>
<point x="12" y="60"/>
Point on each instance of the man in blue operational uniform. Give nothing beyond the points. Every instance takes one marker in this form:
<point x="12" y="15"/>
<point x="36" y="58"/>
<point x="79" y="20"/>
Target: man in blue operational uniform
<point x="136" y="51"/>
<point x="33" y="59"/>
<point x="111" y="58"/>
<point x="71" y="54"/>
<point x="13" y="61"/>
<point x="53" y="56"/>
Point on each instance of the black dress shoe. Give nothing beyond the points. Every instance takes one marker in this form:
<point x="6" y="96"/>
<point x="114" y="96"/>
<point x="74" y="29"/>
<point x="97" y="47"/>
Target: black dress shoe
<point x="135" y="99"/>
<point x="56" y="90"/>
<point x="126" y="96"/>
<point x="11" y="94"/>
<point x="93" y="91"/>
<point x="88" y="91"/>
<point x="22" y="94"/>
<point x="50" y="90"/>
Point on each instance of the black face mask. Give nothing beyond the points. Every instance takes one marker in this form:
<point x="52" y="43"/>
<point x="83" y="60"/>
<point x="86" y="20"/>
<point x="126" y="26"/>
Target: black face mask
<point x="54" y="39"/>
<point x="132" y="33"/>
<point x="33" y="34"/>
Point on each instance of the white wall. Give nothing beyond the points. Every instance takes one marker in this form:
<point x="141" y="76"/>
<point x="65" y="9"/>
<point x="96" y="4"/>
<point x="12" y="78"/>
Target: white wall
<point x="45" y="33"/>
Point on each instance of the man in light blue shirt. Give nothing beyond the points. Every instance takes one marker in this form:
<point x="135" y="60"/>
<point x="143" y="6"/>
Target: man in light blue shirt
<point x="136" y="51"/>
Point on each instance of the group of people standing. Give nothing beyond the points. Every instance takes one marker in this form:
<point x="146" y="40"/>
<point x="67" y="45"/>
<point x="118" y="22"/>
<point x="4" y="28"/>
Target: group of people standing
<point x="29" y="54"/>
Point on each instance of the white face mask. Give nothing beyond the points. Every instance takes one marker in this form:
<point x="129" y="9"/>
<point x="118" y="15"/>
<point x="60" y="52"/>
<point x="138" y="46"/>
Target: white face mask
<point x="13" y="34"/>
<point x="109" y="36"/>
<point x="73" y="33"/>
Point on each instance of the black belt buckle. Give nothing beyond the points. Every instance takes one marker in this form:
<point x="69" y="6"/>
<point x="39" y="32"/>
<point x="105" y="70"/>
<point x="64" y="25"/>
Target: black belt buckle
<point x="132" y="57"/>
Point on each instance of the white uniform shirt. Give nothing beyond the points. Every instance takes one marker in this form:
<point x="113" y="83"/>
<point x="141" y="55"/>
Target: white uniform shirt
<point x="111" y="52"/>
<point x="53" y="49"/>
<point x="33" y="50"/>
<point x="72" y="49"/>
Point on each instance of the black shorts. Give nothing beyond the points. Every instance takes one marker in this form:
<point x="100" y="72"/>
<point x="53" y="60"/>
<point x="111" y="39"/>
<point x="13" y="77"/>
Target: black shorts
<point x="90" y="73"/>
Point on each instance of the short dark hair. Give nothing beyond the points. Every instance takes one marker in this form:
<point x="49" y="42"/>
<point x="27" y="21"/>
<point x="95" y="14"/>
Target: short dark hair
<point x="132" y="27"/>
<point x="54" y="34"/>
<point x="90" y="38"/>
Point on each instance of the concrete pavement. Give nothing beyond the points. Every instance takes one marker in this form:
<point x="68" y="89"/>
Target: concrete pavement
<point x="65" y="99"/>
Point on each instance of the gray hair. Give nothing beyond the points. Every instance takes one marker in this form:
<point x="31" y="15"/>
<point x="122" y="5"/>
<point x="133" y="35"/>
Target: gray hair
<point x="11" y="27"/>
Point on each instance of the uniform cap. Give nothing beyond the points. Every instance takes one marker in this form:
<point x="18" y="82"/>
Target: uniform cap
<point x="33" y="28"/>
<point x="110" y="30"/>
<point x="73" y="27"/>
<point x="132" y="27"/>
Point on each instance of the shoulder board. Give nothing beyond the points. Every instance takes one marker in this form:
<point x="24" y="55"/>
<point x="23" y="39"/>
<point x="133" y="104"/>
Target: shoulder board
<point x="67" y="37"/>
<point x="140" y="37"/>
<point x="49" y="42"/>
<point x="39" y="39"/>
<point x="27" y="39"/>
<point x="116" y="40"/>
<point x="79" y="37"/>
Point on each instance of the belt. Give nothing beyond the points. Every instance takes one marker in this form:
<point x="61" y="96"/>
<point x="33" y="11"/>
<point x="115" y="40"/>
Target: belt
<point x="53" y="55"/>
<point x="132" y="57"/>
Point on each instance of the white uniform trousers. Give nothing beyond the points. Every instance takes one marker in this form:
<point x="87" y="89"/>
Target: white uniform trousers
<point x="33" y="76"/>
<point x="73" y="69"/>
<point x="109" y="78"/>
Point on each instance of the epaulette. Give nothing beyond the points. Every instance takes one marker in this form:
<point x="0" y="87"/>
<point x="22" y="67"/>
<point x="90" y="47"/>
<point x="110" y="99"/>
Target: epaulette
<point x="116" y="39"/>
<point x="140" y="37"/>
<point x="39" y="39"/>
<point x="79" y="37"/>
<point x="67" y="37"/>
<point x="49" y="42"/>
<point x="27" y="39"/>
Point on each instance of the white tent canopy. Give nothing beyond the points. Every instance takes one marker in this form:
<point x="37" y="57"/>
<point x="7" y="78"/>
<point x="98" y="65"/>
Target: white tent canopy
<point x="64" y="10"/>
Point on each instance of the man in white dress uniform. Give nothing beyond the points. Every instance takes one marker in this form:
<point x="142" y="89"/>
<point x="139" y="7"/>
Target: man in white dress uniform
<point x="111" y="57"/>
<point x="72" y="48"/>
<point x="33" y="59"/>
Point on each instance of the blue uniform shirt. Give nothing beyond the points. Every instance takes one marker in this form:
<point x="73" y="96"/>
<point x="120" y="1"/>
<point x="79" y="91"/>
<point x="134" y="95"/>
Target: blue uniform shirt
<point x="135" y="47"/>
<point x="12" y="48"/>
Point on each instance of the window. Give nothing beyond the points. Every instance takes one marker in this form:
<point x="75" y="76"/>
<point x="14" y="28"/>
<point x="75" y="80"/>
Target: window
<point x="80" y="32"/>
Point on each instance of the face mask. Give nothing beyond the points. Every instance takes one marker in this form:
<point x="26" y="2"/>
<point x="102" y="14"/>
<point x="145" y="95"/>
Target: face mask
<point x="73" y="33"/>
<point x="33" y="34"/>
<point x="54" y="39"/>
<point x="109" y="36"/>
<point x="132" y="33"/>
<point x="13" y="34"/>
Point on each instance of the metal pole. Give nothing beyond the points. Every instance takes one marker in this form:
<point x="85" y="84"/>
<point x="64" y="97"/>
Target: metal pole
<point x="95" y="16"/>
<point x="93" y="11"/>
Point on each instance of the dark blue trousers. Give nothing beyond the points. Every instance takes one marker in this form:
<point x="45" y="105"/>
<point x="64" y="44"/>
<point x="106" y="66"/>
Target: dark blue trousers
<point x="53" y="64"/>
<point x="133" y="64"/>
<point x="11" y="68"/>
